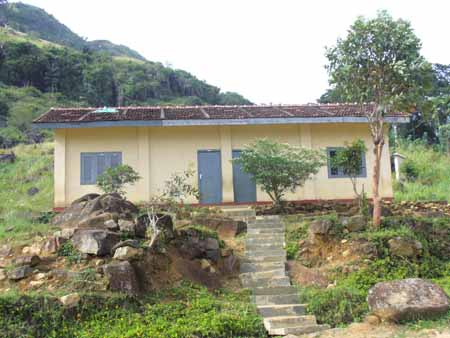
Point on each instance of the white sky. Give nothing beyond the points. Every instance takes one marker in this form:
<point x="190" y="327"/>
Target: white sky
<point x="268" y="51"/>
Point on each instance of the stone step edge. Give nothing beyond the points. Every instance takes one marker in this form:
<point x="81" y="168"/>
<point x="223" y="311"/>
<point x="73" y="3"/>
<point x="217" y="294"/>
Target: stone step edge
<point x="298" y="330"/>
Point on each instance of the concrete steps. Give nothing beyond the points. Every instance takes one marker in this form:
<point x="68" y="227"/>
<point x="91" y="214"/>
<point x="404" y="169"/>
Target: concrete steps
<point x="263" y="271"/>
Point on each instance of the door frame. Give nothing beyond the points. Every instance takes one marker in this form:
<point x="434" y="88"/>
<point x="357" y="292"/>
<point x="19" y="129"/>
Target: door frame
<point x="220" y="174"/>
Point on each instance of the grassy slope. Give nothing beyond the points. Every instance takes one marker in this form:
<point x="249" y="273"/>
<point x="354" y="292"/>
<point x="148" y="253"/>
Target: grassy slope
<point x="433" y="181"/>
<point x="33" y="168"/>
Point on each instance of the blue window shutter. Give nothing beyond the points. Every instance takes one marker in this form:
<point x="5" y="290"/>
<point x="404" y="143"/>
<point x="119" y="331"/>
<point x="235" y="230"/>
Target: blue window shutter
<point x="88" y="168"/>
<point x="115" y="159"/>
<point x="102" y="163"/>
<point x="94" y="164"/>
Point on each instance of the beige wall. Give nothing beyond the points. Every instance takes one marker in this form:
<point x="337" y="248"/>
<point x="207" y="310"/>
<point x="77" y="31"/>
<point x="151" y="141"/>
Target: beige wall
<point x="157" y="152"/>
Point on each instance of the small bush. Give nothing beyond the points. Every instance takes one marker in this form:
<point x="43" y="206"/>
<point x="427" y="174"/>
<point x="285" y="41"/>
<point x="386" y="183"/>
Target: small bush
<point x="114" y="179"/>
<point x="68" y="250"/>
<point x="292" y="250"/>
<point x="335" y="306"/>
<point x="410" y="170"/>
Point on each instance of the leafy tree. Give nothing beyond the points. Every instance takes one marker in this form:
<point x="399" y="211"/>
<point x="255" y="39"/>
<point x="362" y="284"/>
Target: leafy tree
<point x="349" y="158"/>
<point x="114" y="179"/>
<point x="379" y="61"/>
<point x="279" y="167"/>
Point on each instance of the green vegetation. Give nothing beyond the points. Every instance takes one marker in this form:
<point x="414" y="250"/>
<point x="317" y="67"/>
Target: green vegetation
<point x="70" y="252"/>
<point x="349" y="159"/>
<point x="37" y="23"/>
<point x="43" y="64"/>
<point x="346" y="302"/>
<point x="423" y="180"/>
<point x="379" y="61"/>
<point x="279" y="167"/>
<point x="114" y="179"/>
<point x="22" y="215"/>
<point x="185" y="311"/>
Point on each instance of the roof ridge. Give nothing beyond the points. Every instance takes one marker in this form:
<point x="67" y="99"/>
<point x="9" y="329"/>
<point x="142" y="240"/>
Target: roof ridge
<point x="217" y="106"/>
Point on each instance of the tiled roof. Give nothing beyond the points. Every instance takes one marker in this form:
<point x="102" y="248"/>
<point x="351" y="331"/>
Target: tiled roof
<point x="86" y="115"/>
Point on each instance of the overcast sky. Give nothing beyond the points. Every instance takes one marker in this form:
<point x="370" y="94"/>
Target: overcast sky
<point x="268" y="51"/>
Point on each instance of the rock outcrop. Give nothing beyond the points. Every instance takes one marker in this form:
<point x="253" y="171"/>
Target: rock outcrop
<point x="404" y="247"/>
<point x="407" y="299"/>
<point x="121" y="277"/>
<point x="95" y="242"/>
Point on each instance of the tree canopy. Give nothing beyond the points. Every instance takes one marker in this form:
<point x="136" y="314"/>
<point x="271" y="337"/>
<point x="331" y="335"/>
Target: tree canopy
<point x="279" y="167"/>
<point x="379" y="61"/>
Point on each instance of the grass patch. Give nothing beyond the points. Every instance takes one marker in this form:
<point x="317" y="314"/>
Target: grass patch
<point x="21" y="215"/>
<point x="426" y="181"/>
<point x="186" y="311"/>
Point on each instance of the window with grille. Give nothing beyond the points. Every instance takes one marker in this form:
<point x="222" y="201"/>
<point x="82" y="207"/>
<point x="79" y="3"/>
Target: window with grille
<point x="334" y="171"/>
<point x="94" y="164"/>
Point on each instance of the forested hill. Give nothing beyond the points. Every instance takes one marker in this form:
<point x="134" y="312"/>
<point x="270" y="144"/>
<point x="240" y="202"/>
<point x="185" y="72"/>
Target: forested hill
<point x="44" y="64"/>
<point x="37" y="22"/>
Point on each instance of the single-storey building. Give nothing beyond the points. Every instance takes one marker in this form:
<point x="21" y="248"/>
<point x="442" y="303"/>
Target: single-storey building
<point x="159" y="141"/>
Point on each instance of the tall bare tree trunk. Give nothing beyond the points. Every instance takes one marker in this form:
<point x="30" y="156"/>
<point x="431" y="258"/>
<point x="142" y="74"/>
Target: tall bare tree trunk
<point x="377" y="150"/>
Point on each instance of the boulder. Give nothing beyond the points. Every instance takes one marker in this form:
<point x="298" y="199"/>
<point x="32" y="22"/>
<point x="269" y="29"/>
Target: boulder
<point x="51" y="245"/>
<point x="319" y="230"/>
<point x="129" y="242"/>
<point x="33" y="249"/>
<point x="128" y="253"/>
<point x="363" y="248"/>
<point x="407" y="299"/>
<point x="65" y="233"/>
<point x="5" y="250"/>
<point x="95" y="242"/>
<point x="127" y="226"/>
<point x="86" y="211"/>
<point x="354" y="223"/>
<point x="121" y="277"/>
<point x="96" y="220"/>
<point x="404" y="247"/>
<point x="31" y="260"/>
<point x="225" y="227"/>
<point x="164" y="223"/>
<point x="70" y="300"/>
<point x="20" y="272"/>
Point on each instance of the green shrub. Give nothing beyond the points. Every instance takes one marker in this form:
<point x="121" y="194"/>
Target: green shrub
<point x="410" y="170"/>
<point x="279" y="167"/>
<point x="68" y="250"/>
<point x="292" y="250"/>
<point x="114" y="179"/>
<point x="335" y="306"/>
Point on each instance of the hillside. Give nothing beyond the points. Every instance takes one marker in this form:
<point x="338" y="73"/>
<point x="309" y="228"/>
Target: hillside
<point x="37" y="22"/>
<point x="44" y="64"/>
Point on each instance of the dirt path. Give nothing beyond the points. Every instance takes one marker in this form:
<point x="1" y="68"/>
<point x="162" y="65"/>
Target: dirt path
<point x="363" y="330"/>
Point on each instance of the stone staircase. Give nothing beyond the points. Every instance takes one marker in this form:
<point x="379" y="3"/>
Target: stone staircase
<point x="264" y="272"/>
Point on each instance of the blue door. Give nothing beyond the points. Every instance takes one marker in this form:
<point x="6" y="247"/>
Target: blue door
<point x="243" y="184"/>
<point x="210" y="176"/>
